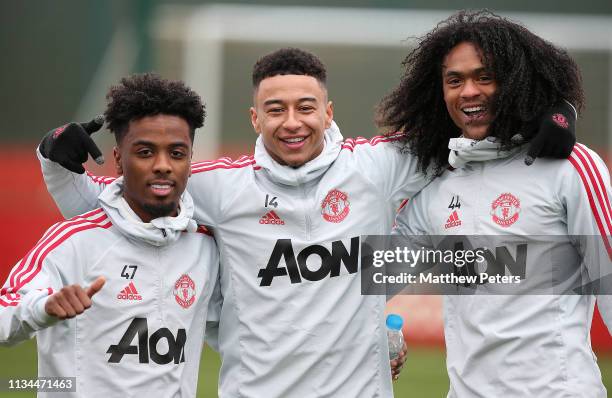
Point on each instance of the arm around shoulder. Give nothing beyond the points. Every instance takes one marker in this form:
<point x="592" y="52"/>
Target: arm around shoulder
<point x="73" y="193"/>
<point x="388" y="165"/>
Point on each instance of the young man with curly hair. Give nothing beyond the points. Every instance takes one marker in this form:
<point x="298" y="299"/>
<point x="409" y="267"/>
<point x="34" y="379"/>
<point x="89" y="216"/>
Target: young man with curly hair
<point x="481" y="79"/>
<point x="293" y="322"/>
<point x="117" y="297"/>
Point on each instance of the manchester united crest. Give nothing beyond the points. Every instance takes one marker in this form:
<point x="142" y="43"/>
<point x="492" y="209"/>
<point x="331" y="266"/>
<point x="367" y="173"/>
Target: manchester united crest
<point x="505" y="209"/>
<point x="184" y="291"/>
<point x="560" y="120"/>
<point x="335" y="206"/>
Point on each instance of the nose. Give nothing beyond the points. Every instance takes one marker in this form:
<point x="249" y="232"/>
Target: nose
<point x="162" y="164"/>
<point x="292" y="121"/>
<point x="470" y="89"/>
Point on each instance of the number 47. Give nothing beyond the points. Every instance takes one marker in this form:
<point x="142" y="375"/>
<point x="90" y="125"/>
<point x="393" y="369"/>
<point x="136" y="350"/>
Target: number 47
<point x="125" y="274"/>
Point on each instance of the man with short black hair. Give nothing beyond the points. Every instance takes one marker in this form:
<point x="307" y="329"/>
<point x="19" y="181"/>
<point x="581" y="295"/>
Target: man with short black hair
<point x="138" y="327"/>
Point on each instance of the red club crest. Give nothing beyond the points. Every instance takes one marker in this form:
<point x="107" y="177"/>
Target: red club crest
<point x="184" y="291"/>
<point x="505" y="209"/>
<point x="335" y="206"/>
<point x="560" y="120"/>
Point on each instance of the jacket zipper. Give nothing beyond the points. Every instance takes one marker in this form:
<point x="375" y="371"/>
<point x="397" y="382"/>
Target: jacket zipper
<point x="305" y="209"/>
<point x="480" y="196"/>
<point x="160" y="283"/>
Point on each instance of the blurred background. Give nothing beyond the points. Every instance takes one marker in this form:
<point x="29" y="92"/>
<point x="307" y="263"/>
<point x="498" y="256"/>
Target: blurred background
<point x="59" y="59"/>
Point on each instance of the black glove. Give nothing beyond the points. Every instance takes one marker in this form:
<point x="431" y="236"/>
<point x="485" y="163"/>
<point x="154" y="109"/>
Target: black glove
<point x="556" y="135"/>
<point x="69" y="145"/>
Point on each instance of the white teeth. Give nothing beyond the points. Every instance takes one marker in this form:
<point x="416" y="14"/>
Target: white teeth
<point x="160" y="186"/>
<point x="293" y="140"/>
<point x="473" y="109"/>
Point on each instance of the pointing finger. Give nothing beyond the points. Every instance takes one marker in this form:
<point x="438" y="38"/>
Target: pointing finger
<point x="94" y="125"/>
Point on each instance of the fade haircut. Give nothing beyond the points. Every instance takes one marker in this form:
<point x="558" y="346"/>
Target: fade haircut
<point x="289" y="61"/>
<point x="531" y="75"/>
<point x="148" y="94"/>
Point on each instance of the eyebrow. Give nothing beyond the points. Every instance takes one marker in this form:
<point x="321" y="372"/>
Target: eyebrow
<point x="457" y="73"/>
<point x="151" y="143"/>
<point x="275" y="101"/>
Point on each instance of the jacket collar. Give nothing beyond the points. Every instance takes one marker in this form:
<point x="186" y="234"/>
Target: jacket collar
<point x="464" y="150"/>
<point x="160" y="231"/>
<point x="310" y="170"/>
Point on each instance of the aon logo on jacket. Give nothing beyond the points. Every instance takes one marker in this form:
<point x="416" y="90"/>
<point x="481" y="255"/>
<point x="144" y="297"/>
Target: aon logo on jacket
<point x="296" y="266"/>
<point x="146" y="346"/>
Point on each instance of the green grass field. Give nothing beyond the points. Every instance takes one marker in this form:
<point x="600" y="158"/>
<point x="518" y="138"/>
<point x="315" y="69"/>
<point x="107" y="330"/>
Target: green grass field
<point x="424" y="374"/>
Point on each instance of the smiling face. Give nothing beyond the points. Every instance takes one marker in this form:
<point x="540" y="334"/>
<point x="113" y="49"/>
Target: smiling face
<point x="468" y="89"/>
<point x="154" y="158"/>
<point x="291" y="112"/>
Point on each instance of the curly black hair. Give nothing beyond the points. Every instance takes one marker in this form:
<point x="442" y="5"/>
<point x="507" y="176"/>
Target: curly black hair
<point x="289" y="61"/>
<point x="148" y="94"/>
<point x="531" y="75"/>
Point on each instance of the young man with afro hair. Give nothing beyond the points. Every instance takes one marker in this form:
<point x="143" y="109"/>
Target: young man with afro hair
<point x="480" y="79"/>
<point x="117" y="297"/>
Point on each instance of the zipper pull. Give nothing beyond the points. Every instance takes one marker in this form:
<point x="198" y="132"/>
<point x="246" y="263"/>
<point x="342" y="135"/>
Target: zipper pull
<point x="164" y="232"/>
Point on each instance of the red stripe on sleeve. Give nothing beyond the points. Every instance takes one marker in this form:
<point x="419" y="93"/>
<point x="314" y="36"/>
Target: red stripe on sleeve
<point x="594" y="210"/>
<point x="100" y="180"/>
<point x="224" y="165"/>
<point x="350" y="143"/>
<point x="601" y="185"/>
<point x="23" y="270"/>
<point x="7" y="303"/>
<point x="33" y="260"/>
<point x="46" y="252"/>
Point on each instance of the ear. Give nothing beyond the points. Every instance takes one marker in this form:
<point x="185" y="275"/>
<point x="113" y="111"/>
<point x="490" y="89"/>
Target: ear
<point x="329" y="114"/>
<point x="117" y="156"/>
<point x="255" y="120"/>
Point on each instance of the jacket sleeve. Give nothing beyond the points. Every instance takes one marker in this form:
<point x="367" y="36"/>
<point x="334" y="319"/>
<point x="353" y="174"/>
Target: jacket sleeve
<point x="73" y="193"/>
<point x="214" y="184"/>
<point x="213" y="316"/>
<point x="587" y="197"/>
<point x="412" y="219"/>
<point x="24" y="294"/>
<point x="411" y="230"/>
<point x="391" y="169"/>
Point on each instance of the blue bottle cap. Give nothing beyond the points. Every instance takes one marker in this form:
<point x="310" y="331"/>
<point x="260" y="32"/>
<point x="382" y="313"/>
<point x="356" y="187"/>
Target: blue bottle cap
<point x="394" y="322"/>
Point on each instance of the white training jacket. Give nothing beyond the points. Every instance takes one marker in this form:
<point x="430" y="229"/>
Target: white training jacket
<point x="521" y="345"/>
<point x="293" y="321"/>
<point x="144" y="332"/>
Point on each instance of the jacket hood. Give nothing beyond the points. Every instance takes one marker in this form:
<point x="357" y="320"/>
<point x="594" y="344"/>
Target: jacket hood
<point x="160" y="231"/>
<point x="308" y="171"/>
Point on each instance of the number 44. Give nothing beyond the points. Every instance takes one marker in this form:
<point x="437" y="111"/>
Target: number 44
<point x="455" y="203"/>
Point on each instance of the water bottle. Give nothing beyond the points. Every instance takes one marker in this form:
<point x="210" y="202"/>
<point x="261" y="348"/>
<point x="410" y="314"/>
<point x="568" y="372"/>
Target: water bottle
<point x="394" y="335"/>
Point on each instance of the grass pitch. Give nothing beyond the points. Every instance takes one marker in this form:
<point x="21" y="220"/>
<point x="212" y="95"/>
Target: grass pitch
<point x="424" y="374"/>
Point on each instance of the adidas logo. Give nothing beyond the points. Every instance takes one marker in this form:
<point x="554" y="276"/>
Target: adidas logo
<point x="129" y="293"/>
<point x="271" y="218"/>
<point x="453" y="220"/>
